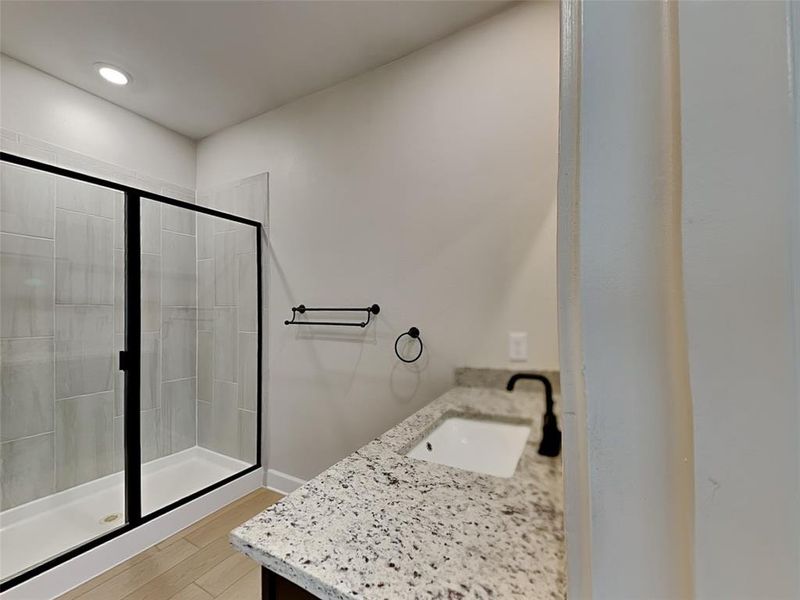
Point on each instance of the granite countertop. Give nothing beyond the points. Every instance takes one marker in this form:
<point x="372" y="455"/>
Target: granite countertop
<point x="381" y="525"/>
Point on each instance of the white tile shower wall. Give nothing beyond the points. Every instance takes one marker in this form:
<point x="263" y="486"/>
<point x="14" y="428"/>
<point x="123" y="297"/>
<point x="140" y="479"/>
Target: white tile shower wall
<point x="27" y="310"/>
<point x="62" y="320"/>
<point x="28" y="146"/>
<point x="57" y="295"/>
<point x="227" y="298"/>
<point x="169" y="327"/>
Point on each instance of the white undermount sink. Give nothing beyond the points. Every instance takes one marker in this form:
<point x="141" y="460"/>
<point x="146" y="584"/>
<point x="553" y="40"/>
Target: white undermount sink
<point x="474" y="444"/>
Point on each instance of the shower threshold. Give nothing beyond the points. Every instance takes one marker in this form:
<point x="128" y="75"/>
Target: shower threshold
<point x="39" y="530"/>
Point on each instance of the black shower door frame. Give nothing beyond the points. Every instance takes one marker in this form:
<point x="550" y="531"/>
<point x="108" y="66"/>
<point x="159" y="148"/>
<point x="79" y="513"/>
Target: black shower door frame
<point x="130" y="360"/>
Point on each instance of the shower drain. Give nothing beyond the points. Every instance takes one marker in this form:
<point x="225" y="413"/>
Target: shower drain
<point x="111" y="518"/>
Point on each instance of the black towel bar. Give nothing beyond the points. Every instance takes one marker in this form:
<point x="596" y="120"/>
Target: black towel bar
<point x="370" y="310"/>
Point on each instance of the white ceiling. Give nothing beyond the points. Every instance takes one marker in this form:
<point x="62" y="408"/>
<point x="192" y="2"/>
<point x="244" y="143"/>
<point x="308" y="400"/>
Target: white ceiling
<point x="198" y="67"/>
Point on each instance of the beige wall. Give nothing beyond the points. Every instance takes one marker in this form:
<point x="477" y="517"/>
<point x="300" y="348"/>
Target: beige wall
<point x="427" y="186"/>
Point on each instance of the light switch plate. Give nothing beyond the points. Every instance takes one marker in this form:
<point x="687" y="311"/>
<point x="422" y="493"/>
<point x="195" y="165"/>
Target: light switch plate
<point x="518" y="346"/>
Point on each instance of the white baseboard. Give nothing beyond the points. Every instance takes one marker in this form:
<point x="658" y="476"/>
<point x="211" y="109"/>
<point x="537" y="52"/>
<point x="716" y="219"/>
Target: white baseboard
<point x="72" y="573"/>
<point x="283" y="482"/>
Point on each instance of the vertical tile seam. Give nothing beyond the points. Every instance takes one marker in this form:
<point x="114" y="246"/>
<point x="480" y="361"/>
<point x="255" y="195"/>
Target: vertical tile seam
<point x="55" y="351"/>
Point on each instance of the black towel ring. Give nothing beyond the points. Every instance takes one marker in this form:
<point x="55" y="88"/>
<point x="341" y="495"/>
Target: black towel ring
<point x="412" y="333"/>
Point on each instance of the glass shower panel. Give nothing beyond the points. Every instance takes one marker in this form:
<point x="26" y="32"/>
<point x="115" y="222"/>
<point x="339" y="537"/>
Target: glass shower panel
<point x="199" y="375"/>
<point x="62" y="310"/>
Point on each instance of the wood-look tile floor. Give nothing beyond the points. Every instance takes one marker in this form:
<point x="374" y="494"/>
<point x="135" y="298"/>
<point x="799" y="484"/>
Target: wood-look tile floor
<point x="197" y="563"/>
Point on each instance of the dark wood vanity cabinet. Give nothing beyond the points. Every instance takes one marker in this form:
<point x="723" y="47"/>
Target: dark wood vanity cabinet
<point x="275" y="587"/>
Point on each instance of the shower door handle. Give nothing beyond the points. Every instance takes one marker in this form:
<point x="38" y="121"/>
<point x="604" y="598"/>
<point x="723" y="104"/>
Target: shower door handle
<point x="124" y="360"/>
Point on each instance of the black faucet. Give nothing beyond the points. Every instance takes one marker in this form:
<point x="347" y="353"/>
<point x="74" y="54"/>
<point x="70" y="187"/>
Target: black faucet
<point x="551" y="435"/>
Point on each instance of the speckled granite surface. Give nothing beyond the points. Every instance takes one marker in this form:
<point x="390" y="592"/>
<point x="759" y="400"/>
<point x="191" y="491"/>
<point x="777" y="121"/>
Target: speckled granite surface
<point x="380" y="525"/>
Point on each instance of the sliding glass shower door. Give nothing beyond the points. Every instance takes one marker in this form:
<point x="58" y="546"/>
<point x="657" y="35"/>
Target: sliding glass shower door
<point x="199" y="351"/>
<point x="130" y="353"/>
<point x="62" y="315"/>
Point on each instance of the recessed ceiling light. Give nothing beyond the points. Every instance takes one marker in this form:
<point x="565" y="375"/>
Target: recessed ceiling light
<point x="112" y="74"/>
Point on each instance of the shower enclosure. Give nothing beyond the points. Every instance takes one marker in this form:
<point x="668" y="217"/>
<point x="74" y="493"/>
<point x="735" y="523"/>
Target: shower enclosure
<point x="130" y="353"/>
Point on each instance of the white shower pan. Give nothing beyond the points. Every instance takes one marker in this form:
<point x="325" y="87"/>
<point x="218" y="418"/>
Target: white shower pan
<point x="39" y="530"/>
<point x="483" y="445"/>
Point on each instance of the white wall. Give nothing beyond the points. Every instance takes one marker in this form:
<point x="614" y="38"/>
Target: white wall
<point x="627" y="424"/>
<point x="45" y="108"/>
<point x="575" y="452"/>
<point x="740" y="200"/>
<point x="427" y="186"/>
<point x="678" y="204"/>
<point x="638" y="407"/>
<point x="794" y="33"/>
